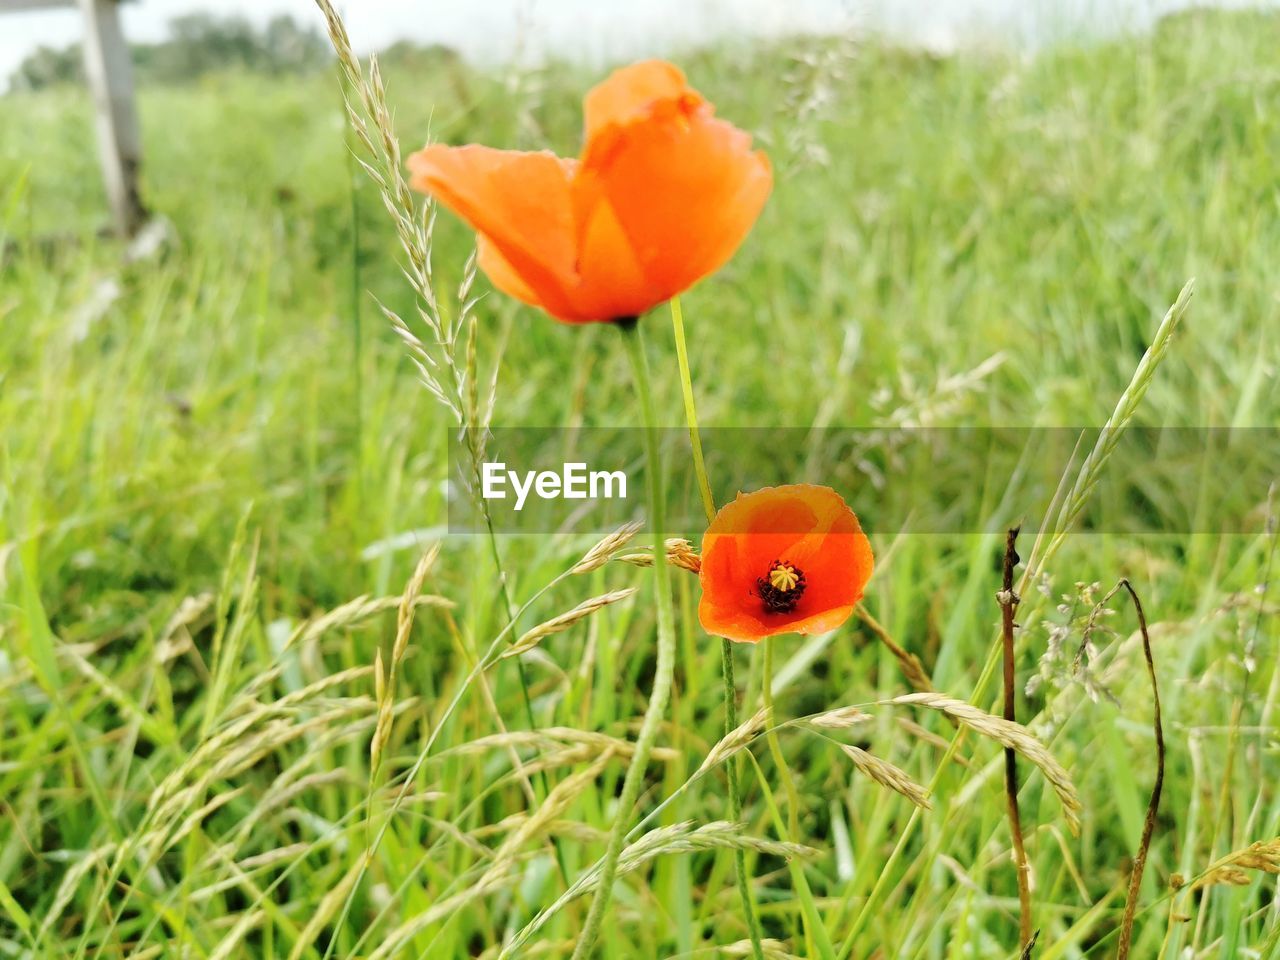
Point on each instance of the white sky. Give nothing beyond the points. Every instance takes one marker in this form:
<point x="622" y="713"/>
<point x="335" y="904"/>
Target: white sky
<point x="605" y="30"/>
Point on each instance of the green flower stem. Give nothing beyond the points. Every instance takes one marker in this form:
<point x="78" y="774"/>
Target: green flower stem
<point x="726" y="648"/>
<point x="690" y="411"/>
<point x="735" y="800"/>
<point x="665" y="670"/>
<point x="775" y="749"/>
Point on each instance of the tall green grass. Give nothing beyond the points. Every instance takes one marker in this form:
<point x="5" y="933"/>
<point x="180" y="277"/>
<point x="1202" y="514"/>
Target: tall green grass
<point x="198" y="486"/>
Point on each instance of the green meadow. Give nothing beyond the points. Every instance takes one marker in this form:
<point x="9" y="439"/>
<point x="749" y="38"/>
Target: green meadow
<point x="219" y="470"/>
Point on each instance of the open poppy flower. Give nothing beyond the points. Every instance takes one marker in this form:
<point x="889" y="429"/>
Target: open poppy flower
<point x="663" y="195"/>
<point x="789" y="559"/>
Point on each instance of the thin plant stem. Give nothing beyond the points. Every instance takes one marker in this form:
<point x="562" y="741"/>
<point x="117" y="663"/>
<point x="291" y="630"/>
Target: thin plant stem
<point x="513" y="617"/>
<point x="735" y="800"/>
<point x="665" y="669"/>
<point x="690" y="411"/>
<point x="1008" y="608"/>
<point x="775" y="749"/>
<point x="510" y="609"/>
<point x="468" y="403"/>
<point x="726" y="647"/>
<point x="882" y="880"/>
<point x="1153" y="805"/>
<point x="357" y="319"/>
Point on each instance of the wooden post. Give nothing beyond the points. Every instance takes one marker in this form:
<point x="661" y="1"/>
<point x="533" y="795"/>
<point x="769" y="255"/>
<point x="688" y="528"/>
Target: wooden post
<point x="110" y="74"/>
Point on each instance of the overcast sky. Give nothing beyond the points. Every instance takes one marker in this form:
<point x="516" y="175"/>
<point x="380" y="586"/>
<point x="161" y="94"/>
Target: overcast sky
<point x="605" y="30"/>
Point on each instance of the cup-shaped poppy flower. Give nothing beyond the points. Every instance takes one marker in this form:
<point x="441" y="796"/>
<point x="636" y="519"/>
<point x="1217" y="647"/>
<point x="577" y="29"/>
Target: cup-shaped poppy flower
<point x="662" y="196"/>
<point x="790" y="559"/>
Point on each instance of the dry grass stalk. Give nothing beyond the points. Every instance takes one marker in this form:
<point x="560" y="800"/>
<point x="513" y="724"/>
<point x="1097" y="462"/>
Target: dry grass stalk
<point x="1009" y="601"/>
<point x="251" y="729"/>
<point x="230" y="944"/>
<point x="386" y="676"/>
<point x="773" y="950"/>
<point x="198" y="816"/>
<point x="734" y="740"/>
<point x="1153" y="805"/>
<point x="680" y="553"/>
<point x="313" y="690"/>
<point x="353" y="715"/>
<point x="1007" y="734"/>
<point x="293" y="782"/>
<point x="329" y="905"/>
<point x="1263" y="856"/>
<point x="572" y="829"/>
<point x="719" y="834"/>
<point x="677" y="838"/>
<point x="887" y="775"/>
<point x="564" y="621"/>
<point x="841" y="718"/>
<point x="486" y="691"/>
<point x="603" y="552"/>
<point x="270" y="858"/>
<point x="452" y="383"/>
<point x="286" y="788"/>
<point x="436" y="355"/>
<point x="908" y="662"/>
<point x="353" y="613"/>
<point x="472" y="841"/>
<point x="929" y="737"/>
<point x="570" y="756"/>
<point x="394" y="943"/>
<point x="409" y="601"/>
<point x="1073" y="501"/>
<point x="553" y="805"/>
<point x="70" y="882"/>
<point x="176" y="635"/>
<point x="502" y="870"/>
<point x="549" y="738"/>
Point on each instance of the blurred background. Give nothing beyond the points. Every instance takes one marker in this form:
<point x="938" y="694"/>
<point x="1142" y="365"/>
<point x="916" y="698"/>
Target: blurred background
<point x="530" y="31"/>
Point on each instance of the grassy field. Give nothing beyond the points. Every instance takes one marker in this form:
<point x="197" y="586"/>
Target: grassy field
<point x="219" y="472"/>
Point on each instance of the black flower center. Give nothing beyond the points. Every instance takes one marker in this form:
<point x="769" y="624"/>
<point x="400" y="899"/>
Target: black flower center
<point x="781" y="588"/>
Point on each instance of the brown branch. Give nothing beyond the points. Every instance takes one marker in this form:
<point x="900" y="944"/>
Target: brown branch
<point x="1008" y="607"/>
<point x="1153" y="807"/>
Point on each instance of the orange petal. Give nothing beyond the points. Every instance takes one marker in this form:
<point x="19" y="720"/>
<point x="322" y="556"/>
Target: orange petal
<point x="629" y="93"/>
<point x="686" y="189"/>
<point x="520" y="202"/>
<point x="502" y="274"/>
<point x="732" y="622"/>
<point x="611" y="283"/>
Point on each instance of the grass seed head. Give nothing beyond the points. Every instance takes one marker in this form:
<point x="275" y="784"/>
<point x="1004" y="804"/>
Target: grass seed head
<point x="564" y="621"/>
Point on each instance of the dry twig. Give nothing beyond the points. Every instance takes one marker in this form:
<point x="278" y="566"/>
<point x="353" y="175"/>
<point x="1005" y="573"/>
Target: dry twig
<point x="1008" y="607"/>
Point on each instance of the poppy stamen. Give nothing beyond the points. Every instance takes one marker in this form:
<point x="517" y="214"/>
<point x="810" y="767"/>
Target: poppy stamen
<point x="782" y="587"/>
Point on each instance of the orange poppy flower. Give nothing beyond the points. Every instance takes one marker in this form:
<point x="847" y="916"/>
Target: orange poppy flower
<point x="662" y="196"/>
<point x="789" y="559"/>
